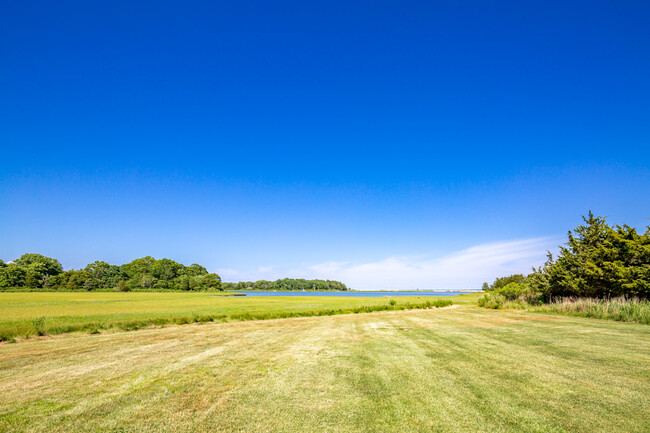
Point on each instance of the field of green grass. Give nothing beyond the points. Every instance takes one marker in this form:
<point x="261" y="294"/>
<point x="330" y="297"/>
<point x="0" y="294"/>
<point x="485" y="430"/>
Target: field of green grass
<point x="26" y="313"/>
<point x="456" y="369"/>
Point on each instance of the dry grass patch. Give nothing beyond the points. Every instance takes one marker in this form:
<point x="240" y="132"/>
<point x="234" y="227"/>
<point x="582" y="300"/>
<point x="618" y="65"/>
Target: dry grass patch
<point x="448" y="370"/>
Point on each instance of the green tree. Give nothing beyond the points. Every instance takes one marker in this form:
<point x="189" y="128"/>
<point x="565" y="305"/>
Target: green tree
<point x="183" y="282"/>
<point x="55" y="281"/>
<point x="12" y="275"/>
<point x="50" y="266"/>
<point x="76" y="280"/>
<point x="105" y="274"/>
<point x="92" y="283"/>
<point x="139" y="266"/>
<point x="597" y="261"/>
<point x="166" y="269"/>
<point x="212" y="282"/>
<point x="196" y="283"/>
<point x="36" y="273"/>
<point x="194" y="270"/>
<point x="146" y="281"/>
<point x="121" y="286"/>
<point x="38" y="268"/>
<point x="262" y="285"/>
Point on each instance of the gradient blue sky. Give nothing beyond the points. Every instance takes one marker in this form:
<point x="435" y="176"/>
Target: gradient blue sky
<point x="432" y="144"/>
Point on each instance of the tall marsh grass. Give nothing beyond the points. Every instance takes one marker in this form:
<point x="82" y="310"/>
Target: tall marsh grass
<point x="619" y="309"/>
<point x="40" y="327"/>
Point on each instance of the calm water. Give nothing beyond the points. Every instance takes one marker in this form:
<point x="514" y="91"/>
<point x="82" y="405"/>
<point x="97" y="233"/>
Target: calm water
<point x="358" y="294"/>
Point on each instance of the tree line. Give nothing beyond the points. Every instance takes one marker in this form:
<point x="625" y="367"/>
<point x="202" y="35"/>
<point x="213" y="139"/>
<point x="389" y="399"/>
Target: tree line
<point x="286" y="284"/>
<point x="38" y="272"/>
<point x="597" y="261"/>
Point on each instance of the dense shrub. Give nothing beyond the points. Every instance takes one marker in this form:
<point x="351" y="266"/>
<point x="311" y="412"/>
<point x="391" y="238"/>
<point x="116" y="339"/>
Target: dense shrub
<point x="491" y="300"/>
<point x="38" y="325"/>
<point x="504" y="281"/>
<point x="511" y="295"/>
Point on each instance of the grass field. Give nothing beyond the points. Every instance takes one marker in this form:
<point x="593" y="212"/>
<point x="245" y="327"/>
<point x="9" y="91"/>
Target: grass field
<point x="91" y="312"/>
<point x="456" y="369"/>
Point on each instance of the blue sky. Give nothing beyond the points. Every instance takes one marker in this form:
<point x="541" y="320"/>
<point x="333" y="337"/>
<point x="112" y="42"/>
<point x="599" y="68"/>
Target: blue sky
<point x="429" y="145"/>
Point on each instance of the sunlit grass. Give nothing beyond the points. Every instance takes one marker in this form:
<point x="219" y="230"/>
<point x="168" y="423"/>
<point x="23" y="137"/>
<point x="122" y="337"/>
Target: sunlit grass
<point x="622" y="310"/>
<point x="461" y="369"/>
<point x="92" y="312"/>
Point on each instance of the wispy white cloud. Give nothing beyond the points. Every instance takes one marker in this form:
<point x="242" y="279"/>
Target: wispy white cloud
<point x="463" y="269"/>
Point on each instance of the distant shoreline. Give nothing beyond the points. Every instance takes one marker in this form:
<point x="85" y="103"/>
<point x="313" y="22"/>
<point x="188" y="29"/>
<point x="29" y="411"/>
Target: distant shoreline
<point x="361" y="291"/>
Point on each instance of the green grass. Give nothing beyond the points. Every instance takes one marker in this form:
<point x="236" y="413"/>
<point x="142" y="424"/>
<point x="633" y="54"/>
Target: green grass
<point x="459" y="369"/>
<point x="618" y="309"/>
<point x="622" y="310"/>
<point x="59" y="313"/>
<point x="466" y="298"/>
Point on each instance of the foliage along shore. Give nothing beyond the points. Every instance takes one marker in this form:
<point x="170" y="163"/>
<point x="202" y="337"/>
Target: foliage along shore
<point x="36" y="272"/>
<point x="287" y="284"/>
<point x="601" y="272"/>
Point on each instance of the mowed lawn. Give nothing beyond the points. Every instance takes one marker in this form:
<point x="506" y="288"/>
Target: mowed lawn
<point x="87" y="311"/>
<point x="455" y="369"/>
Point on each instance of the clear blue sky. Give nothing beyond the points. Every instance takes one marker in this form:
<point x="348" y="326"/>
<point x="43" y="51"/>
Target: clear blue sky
<point x="392" y="145"/>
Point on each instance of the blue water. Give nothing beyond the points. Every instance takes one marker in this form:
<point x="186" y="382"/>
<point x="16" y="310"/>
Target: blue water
<point x="357" y="294"/>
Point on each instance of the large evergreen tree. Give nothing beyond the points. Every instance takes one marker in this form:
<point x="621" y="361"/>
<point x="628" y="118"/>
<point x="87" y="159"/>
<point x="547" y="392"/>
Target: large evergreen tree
<point x="598" y="261"/>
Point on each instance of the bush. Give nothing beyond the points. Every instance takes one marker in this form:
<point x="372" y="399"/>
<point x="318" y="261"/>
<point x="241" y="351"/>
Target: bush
<point x="38" y="325"/>
<point x="493" y="301"/>
<point x="499" y="283"/>
<point x="512" y="291"/>
<point x="122" y="287"/>
<point x="523" y="293"/>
